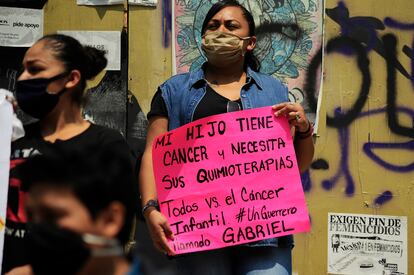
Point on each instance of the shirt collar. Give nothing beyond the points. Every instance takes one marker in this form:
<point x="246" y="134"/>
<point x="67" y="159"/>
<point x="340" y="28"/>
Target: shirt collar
<point x="252" y="75"/>
<point x="198" y="77"/>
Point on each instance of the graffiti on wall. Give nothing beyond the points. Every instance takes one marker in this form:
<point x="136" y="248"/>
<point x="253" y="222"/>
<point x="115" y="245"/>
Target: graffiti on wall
<point x="359" y="36"/>
<point x="166" y="22"/>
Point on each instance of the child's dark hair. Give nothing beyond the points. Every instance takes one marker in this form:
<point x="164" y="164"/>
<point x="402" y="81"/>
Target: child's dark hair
<point x="250" y="59"/>
<point x="97" y="177"/>
<point x="88" y="60"/>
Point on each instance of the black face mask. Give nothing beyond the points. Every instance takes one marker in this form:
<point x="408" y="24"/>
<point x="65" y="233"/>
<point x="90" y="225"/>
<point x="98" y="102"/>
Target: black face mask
<point x="54" y="250"/>
<point x="33" y="98"/>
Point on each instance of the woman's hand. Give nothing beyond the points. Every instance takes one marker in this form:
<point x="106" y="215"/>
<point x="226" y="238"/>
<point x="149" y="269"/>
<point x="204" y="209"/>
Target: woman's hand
<point x="295" y="114"/>
<point x="9" y="97"/>
<point x="303" y="136"/>
<point x="160" y="231"/>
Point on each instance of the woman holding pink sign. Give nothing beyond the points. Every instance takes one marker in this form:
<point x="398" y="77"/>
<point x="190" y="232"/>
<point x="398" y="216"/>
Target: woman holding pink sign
<point x="229" y="81"/>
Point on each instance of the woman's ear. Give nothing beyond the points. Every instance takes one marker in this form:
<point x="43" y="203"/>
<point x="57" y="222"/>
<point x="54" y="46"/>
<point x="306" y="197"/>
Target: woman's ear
<point x="74" y="79"/>
<point x="110" y="221"/>
<point x="252" y="44"/>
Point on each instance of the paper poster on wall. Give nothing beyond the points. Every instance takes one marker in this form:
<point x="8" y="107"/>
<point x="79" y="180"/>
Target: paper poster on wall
<point x="367" y="244"/>
<point x="151" y="3"/>
<point x="20" y="27"/>
<point x="6" y="114"/>
<point x="229" y="179"/>
<point x="289" y="34"/>
<point x="108" y="41"/>
<point x="99" y="2"/>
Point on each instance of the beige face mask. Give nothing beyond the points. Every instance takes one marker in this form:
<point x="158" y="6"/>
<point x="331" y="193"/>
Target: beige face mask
<point x="223" y="48"/>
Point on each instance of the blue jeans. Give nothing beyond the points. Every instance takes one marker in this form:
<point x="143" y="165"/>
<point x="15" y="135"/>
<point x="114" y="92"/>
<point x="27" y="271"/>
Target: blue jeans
<point x="237" y="260"/>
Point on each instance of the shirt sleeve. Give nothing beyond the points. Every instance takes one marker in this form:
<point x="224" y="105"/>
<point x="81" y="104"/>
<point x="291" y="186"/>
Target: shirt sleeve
<point x="158" y="107"/>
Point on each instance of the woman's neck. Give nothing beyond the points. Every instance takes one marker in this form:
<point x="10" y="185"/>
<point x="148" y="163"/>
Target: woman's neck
<point x="64" y="122"/>
<point x="225" y="75"/>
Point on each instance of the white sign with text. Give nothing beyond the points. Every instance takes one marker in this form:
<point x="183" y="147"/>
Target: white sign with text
<point x="151" y="3"/>
<point x="108" y="41"/>
<point x="367" y="244"/>
<point x="99" y="2"/>
<point x="20" y="27"/>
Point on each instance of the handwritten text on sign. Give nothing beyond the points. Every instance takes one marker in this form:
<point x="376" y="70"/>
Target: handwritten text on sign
<point x="229" y="179"/>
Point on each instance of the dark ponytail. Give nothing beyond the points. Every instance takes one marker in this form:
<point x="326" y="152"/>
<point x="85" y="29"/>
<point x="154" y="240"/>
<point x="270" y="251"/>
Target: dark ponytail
<point x="96" y="61"/>
<point x="87" y="60"/>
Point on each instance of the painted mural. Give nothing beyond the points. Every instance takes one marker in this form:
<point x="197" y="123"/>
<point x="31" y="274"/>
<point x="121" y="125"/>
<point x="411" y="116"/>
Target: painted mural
<point x="289" y="33"/>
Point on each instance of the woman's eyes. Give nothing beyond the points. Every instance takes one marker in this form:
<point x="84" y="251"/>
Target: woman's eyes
<point x="212" y="26"/>
<point x="231" y="26"/>
<point x="33" y="69"/>
<point x="228" y="25"/>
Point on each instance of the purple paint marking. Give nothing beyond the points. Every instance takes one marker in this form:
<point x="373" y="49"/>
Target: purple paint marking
<point x="369" y="146"/>
<point x="368" y="150"/>
<point x="306" y="181"/>
<point x="343" y="169"/>
<point x="166" y="23"/>
<point x="392" y="23"/>
<point x="383" y="198"/>
<point x="412" y="63"/>
<point x="344" y="163"/>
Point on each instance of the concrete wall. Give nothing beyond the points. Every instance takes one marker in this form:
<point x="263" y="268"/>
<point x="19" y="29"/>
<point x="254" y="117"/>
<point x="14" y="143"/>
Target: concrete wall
<point x="66" y="15"/>
<point x="344" y="177"/>
<point x="356" y="182"/>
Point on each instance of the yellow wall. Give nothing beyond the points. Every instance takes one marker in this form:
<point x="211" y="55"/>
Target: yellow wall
<point x="150" y="65"/>
<point x="66" y="15"/>
<point x="340" y="89"/>
<point x="149" y="60"/>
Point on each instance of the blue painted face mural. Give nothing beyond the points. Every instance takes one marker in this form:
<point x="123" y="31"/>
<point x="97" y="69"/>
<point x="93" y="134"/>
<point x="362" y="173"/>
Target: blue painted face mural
<point x="283" y="29"/>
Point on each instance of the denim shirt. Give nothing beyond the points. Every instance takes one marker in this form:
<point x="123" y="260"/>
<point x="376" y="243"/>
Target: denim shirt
<point x="183" y="92"/>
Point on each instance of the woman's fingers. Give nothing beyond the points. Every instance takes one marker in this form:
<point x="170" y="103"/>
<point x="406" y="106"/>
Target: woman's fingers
<point x="160" y="231"/>
<point x="294" y="113"/>
<point x="286" y="107"/>
<point x="293" y="118"/>
<point x="160" y="242"/>
<point x="12" y="101"/>
<point x="167" y="234"/>
<point x="282" y="108"/>
<point x="165" y="248"/>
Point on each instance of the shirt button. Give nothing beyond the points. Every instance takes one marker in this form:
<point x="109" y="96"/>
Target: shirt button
<point x="243" y="95"/>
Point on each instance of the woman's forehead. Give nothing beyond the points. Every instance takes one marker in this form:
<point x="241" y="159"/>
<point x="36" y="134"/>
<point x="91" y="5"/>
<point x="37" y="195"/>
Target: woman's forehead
<point x="39" y="52"/>
<point x="230" y="13"/>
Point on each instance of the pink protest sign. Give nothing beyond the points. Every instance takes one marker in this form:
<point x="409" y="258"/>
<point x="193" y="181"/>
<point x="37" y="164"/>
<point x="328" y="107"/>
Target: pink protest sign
<point x="229" y="179"/>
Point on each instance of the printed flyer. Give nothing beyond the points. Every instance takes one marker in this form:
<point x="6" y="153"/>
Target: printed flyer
<point x="367" y="244"/>
<point x="108" y="41"/>
<point x="20" y="27"/>
<point x="99" y="2"/>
